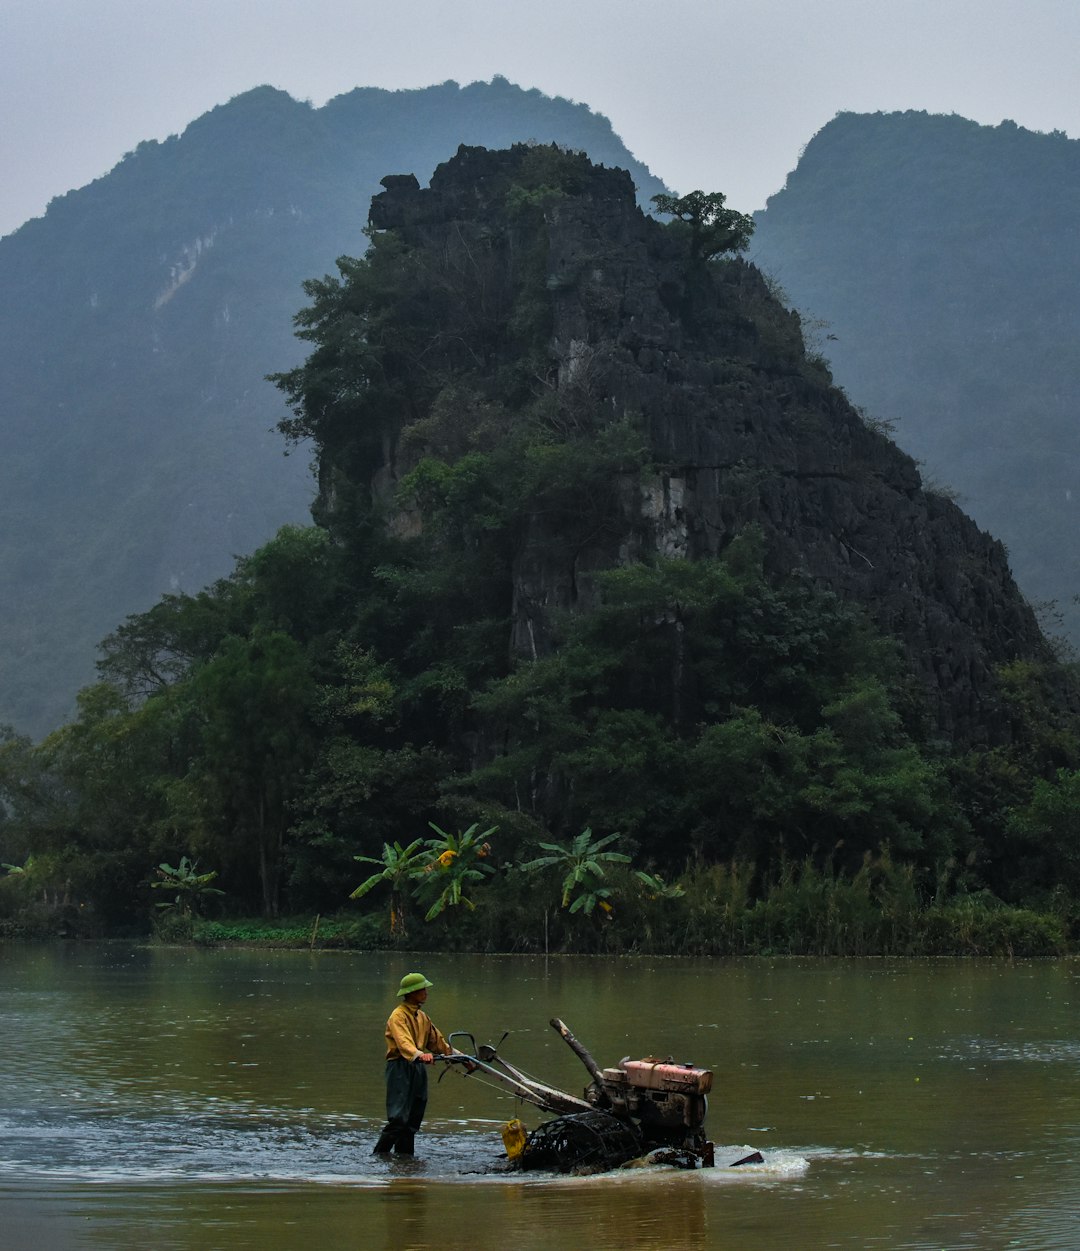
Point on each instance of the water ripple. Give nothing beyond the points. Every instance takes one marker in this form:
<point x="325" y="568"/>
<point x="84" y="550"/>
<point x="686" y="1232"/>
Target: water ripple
<point x="1051" y="1051"/>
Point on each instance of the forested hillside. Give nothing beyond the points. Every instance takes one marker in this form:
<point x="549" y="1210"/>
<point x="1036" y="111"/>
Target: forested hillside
<point x="139" y="318"/>
<point x="934" y="258"/>
<point x="941" y="261"/>
<point x="619" y="623"/>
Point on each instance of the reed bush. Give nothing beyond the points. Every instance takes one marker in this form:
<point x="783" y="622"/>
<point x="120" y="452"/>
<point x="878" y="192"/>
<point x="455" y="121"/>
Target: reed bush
<point x="723" y="910"/>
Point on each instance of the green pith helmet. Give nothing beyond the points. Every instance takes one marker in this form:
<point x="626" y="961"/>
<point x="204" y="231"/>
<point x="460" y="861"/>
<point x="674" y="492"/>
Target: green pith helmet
<point x="411" y="982"/>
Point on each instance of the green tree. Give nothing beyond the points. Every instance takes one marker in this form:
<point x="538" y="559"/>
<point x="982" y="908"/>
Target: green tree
<point x="400" y="867"/>
<point x="190" y="887"/>
<point x="99" y="812"/>
<point x="28" y="797"/>
<point x="1047" y="833"/>
<point x="366" y="780"/>
<point x="253" y="707"/>
<point x="714" y="229"/>
<point x="291" y="584"/>
<point x="458" y="863"/>
<point x="702" y="709"/>
<point x="153" y="650"/>
<point x="581" y="863"/>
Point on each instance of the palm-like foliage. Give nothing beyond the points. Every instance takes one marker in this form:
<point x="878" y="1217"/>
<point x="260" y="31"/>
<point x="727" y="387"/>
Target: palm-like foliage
<point x="400" y="866"/>
<point x="457" y="862"/>
<point x="190" y="885"/>
<point x="582" y="863"/>
<point x="657" y="888"/>
<point x="592" y="895"/>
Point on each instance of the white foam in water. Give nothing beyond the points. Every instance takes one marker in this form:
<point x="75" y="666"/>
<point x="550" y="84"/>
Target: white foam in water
<point x="103" y="1147"/>
<point x="776" y="1165"/>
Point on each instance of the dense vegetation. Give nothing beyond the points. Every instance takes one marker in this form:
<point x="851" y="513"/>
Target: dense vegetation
<point x="940" y="261"/>
<point x="710" y="759"/>
<point x="276" y="727"/>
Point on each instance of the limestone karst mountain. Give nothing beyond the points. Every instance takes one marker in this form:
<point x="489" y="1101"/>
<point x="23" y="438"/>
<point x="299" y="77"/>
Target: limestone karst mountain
<point x="598" y="546"/>
<point x="940" y="260"/>
<point x="739" y="426"/>
<point x="139" y="318"/>
<point x="142" y="313"/>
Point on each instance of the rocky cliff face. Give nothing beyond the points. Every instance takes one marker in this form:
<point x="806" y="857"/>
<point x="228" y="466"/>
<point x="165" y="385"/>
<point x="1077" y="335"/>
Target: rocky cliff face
<point x="944" y="258"/>
<point x="741" y="427"/>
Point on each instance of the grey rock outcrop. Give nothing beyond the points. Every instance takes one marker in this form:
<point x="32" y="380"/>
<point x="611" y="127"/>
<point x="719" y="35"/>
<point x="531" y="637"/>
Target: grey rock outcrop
<point x="742" y="429"/>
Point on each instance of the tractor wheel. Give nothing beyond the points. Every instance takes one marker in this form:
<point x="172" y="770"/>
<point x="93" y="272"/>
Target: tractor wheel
<point x="587" y="1142"/>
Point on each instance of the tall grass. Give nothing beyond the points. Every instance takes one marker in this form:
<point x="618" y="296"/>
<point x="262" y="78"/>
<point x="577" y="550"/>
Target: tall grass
<point x="724" y="910"/>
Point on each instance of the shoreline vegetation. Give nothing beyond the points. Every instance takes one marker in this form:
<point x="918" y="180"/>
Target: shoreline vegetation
<point x="956" y="930"/>
<point x="708" y="912"/>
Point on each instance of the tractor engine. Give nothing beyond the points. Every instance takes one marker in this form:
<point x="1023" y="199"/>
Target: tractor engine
<point x="667" y="1100"/>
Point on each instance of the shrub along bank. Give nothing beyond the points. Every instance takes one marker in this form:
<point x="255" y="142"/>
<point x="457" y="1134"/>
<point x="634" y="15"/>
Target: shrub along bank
<point x="804" y="912"/>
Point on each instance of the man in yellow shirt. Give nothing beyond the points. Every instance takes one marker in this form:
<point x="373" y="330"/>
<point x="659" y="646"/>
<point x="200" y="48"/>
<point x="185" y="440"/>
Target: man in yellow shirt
<point x="412" y="1042"/>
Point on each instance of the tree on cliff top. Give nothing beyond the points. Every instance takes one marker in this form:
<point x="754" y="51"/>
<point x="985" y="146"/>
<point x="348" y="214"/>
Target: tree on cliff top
<point x="714" y="229"/>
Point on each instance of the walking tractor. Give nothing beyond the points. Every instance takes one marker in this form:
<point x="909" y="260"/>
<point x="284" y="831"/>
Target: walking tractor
<point x="650" y="1111"/>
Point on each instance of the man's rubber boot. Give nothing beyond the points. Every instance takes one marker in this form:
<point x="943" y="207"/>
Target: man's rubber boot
<point x="404" y="1144"/>
<point x="387" y="1139"/>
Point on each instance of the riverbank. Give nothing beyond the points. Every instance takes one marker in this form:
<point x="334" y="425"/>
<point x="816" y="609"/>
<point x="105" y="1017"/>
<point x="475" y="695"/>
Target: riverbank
<point x="953" y="930"/>
<point x="710" y="910"/>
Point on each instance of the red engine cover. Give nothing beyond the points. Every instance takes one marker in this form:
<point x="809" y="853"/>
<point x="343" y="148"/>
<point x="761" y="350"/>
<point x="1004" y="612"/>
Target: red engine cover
<point x="651" y="1074"/>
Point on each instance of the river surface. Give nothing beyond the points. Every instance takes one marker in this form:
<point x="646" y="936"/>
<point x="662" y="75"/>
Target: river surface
<point x="180" y="1099"/>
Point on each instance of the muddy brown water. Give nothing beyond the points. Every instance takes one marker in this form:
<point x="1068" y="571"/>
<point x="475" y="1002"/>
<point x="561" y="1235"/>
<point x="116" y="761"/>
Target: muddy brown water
<point x="181" y="1099"/>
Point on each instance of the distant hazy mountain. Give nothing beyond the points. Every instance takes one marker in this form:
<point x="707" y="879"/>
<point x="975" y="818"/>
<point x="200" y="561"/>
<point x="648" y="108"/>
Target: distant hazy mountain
<point x="138" y="319"/>
<point x="944" y="257"/>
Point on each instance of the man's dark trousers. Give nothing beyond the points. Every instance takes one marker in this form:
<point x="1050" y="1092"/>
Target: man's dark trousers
<point x="406" y="1101"/>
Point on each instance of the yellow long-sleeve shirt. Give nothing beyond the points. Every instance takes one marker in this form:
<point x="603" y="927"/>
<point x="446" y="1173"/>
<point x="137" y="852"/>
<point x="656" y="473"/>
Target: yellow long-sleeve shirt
<point x="409" y="1031"/>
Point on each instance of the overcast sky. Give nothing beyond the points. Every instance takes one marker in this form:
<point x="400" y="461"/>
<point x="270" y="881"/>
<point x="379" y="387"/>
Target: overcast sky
<point x="717" y="94"/>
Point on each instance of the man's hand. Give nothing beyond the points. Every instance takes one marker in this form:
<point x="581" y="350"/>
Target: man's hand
<point x="425" y="1057"/>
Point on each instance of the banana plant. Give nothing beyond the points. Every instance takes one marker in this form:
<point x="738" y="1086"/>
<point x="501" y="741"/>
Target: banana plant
<point x="458" y="863"/>
<point x="190" y="885"/>
<point x="657" y="888"/>
<point x="592" y="896"/>
<point x="400" y="867"/>
<point x="582" y="864"/>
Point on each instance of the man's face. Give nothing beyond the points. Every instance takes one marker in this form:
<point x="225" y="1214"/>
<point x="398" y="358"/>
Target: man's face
<point x="418" y="996"/>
